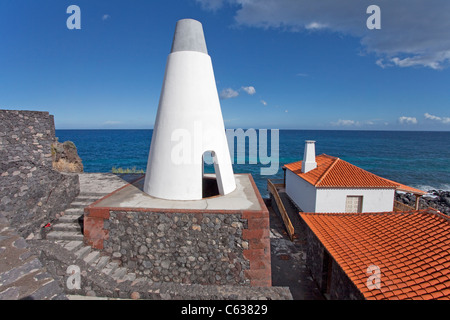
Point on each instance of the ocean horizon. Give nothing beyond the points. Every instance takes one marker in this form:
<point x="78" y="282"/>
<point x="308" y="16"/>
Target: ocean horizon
<point x="416" y="158"/>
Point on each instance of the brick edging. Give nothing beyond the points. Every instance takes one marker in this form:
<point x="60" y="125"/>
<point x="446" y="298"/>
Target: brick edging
<point x="258" y="253"/>
<point x="94" y="227"/>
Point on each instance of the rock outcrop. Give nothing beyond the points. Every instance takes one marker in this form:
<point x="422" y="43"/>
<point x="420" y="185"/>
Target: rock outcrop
<point x="437" y="199"/>
<point x="65" y="157"/>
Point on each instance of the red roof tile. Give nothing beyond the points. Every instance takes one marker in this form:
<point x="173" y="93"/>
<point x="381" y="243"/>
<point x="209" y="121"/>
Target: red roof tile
<point x="356" y="241"/>
<point x="335" y="172"/>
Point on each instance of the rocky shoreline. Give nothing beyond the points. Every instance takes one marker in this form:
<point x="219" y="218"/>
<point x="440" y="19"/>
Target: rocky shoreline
<point x="437" y="199"/>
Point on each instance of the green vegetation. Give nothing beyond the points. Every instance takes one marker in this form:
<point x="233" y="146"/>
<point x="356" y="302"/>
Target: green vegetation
<point x="127" y="170"/>
<point x="70" y="144"/>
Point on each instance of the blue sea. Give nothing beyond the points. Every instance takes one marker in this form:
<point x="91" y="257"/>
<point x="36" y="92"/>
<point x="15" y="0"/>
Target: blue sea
<point x="417" y="159"/>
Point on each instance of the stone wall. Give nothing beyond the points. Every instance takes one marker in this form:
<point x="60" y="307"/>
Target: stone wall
<point x="340" y="286"/>
<point x="26" y="136"/>
<point x="196" y="246"/>
<point x="31" y="192"/>
<point x="178" y="247"/>
<point x="315" y="256"/>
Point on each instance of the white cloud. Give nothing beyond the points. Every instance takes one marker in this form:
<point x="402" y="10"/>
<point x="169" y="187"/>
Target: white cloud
<point x="301" y="74"/>
<point x="381" y="63"/>
<point x="231" y="93"/>
<point x="250" y="90"/>
<point x="264" y="102"/>
<point x="345" y="123"/>
<point x="111" y="122"/>
<point x="407" y="120"/>
<point x="431" y="117"/>
<point x="106" y="17"/>
<point x="407" y="37"/>
<point x="212" y="5"/>
<point x="228" y="94"/>
<point x="355" y="123"/>
<point x="417" y="61"/>
<point x="315" y="26"/>
<point x="444" y="120"/>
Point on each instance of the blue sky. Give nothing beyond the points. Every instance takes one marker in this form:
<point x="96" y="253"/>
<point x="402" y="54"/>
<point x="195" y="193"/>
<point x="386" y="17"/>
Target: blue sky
<point x="286" y="64"/>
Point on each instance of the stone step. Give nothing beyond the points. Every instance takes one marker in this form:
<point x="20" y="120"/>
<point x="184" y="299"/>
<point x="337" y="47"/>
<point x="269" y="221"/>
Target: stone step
<point x="84" y="251"/>
<point x="73" y="245"/>
<point x="67" y="226"/>
<point x="64" y="235"/>
<point x="129" y="277"/>
<point x="67" y="218"/>
<point x="92" y="257"/>
<point x="110" y="268"/>
<point x="101" y="262"/>
<point x="77" y="211"/>
<point x="80" y="204"/>
<point x="119" y="273"/>
<point x="87" y="200"/>
<point x="91" y="195"/>
<point x="88" y="196"/>
<point x="62" y="243"/>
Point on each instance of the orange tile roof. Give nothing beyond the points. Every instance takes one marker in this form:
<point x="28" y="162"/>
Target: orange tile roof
<point x="335" y="172"/>
<point x="412" y="250"/>
<point x="408" y="189"/>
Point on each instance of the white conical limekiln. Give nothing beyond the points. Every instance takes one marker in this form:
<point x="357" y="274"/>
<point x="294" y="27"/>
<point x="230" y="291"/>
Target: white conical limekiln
<point x="188" y="124"/>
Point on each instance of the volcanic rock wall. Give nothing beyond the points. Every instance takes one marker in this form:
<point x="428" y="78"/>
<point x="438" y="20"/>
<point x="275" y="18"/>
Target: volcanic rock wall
<point x="31" y="192"/>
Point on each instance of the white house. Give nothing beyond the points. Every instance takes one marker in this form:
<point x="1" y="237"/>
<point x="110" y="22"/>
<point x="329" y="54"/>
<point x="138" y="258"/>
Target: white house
<point x="328" y="184"/>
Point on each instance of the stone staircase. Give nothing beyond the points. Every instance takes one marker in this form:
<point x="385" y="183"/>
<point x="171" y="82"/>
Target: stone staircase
<point x="67" y="232"/>
<point x="70" y="225"/>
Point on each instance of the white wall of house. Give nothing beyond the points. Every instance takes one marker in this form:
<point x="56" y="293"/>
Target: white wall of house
<point x="373" y="200"/>
<point x="311" y="199"/>
<point x="301" y="192"/>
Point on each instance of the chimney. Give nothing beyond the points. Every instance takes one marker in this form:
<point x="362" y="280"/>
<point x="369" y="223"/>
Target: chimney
<point x="189" y="107"/>
<point x="309" y="157"/>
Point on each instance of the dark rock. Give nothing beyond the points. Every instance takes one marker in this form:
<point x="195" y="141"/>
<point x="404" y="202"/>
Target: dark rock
<point x="447" y="201"/>
<point x="65" y="157"/>
<point x="439" y="200"/>
<point x="184" y="255"/>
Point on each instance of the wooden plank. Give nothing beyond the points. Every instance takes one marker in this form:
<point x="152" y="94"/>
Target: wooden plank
<point x="287" y="222"/>
<point x="399" y="206"/>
